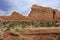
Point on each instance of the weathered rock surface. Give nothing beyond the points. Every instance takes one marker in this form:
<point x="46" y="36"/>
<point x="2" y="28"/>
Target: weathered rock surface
<point x="14" y="16"/>
<point x="40" y="13"/>
<point x="34" y="34"/>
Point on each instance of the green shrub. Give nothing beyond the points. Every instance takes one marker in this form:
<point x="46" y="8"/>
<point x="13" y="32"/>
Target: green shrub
<point x="16" y="38"/>
<point x="42" y="24"/>
<point x="17" y="30"/>
<point x="12" y="24"/>
<point x="5" y="22"/>
<point x="56" y="25"/>
<point x="58" y="38"/>
<point x="23" y="39"/>
<point x="50" y="39"/>
<point x="24" y="24"/>
<point x="49" y="24"/>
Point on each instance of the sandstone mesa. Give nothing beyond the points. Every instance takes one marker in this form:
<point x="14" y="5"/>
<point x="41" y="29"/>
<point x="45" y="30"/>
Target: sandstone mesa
<point x="38" y="13"/>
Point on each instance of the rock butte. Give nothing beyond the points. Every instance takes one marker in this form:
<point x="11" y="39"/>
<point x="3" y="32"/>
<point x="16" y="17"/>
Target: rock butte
<point x="38" y="13"/>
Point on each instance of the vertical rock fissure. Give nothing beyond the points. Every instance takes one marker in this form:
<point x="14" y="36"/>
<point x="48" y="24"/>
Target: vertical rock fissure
<point x="54" y="15"/>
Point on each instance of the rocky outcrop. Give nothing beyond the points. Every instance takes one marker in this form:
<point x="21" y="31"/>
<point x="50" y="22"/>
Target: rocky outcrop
<point x="34" y="34"/>
<point x="14" y="16"/>
<point x="38" y="13"/>
<point x="57" y="15"/>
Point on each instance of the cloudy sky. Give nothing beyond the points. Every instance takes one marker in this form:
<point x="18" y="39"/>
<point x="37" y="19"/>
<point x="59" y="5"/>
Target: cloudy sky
<point x="24" y="6"/>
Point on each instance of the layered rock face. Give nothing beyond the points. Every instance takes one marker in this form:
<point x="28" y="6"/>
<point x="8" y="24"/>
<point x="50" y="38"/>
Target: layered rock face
<point x="13" y="16"/>
<point x="38" y="13"/>
<point x="16" y="16"/>
<point x="57" y="15"/>
<point x="33" y="34"/>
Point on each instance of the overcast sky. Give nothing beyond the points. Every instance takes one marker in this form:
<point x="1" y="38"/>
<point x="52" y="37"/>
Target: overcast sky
<point x="24" y="6"/>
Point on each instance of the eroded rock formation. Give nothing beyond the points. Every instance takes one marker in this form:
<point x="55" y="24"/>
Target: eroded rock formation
<point x="41" y="13"/>
<point x="33" y="34"/>
<point x="38" y="13"/>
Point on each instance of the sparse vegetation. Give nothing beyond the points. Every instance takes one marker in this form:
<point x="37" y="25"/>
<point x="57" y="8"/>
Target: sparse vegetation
<point x="51" y="38"/>
<point x="17" y="30"/>
<point x="16" y="38"/>
<point x="13" y="24"/>
<point x="58" y="38"/>
<point x="16" y="25"/>
<point x="23" y="39"/>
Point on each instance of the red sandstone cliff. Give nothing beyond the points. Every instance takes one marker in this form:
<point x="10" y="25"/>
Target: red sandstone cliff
<point x="41" y="13"/>
<point x="38" y="13"/>
<point x="14" y="16"/>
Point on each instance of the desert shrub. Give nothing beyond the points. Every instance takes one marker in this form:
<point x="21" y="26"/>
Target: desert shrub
<point x="51" y="38"/>
<point x="5" y="22"/>
<point x="36" y="24"/>
<point x="15" y="38"/>
<point x="18" y="38"/>
<point x="11" y="26"/>
<point x="58" y="38"/>
<point x="56" y="25"/>
<point x="42" y="24"/>
<point x="17" y="23"/>
<point x="24" y="24"/>
<point x="33" y="24"/>
<point x="50" y="24"/>
<point x="17" y="30"/>
<point x="22" y="38"/>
